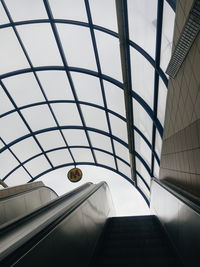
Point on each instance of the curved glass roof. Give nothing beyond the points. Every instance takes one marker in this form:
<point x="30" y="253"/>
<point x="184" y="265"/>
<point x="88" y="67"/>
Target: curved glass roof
<point x="83" y="83"/>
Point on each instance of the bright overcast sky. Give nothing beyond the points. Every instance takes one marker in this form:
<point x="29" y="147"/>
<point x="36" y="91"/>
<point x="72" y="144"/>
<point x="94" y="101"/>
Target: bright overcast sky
<point x="127" y="200"/>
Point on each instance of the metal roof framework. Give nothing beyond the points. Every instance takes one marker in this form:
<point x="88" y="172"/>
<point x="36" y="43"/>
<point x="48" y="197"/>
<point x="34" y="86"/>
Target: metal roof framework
<point x="108" y="121"/>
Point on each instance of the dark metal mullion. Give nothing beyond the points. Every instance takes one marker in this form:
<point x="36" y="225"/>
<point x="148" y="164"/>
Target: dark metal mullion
<point x="100" y="73"/>
<point x="35" y="75"/>
<point x="62" y="54"/>
<point x="24" y="120"/>
<point x="123" y="29"/>
<point x="61" y="148"/>
<point x="88" y="104"/>
<point x="20" y="163"/>
<point x="156" y="76"/>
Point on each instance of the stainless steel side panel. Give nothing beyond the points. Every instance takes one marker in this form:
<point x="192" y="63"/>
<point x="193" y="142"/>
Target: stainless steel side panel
<point x="181" y="222"/>
<point x="72" y="242"/>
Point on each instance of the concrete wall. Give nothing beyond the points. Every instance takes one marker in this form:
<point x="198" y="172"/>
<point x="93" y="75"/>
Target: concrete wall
<point x="180" y="159"/>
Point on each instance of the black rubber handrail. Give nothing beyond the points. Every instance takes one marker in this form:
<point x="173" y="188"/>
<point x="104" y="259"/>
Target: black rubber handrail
<point x="190" y="200"/>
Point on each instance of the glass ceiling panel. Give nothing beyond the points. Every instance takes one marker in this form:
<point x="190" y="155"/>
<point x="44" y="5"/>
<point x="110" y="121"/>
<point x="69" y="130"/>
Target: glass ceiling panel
<point x="142" y="120"/>
<point x="39" y="117"/>
<point x="11" y="53"/>
<point x="87" y="88"/>
<point x="5" y="104"/>
<point x="13" y="179"/>
<point x="3" y="17"/>
<point x="55" y="85"/>
<point x="82" y="155"/>
<point x="69" y="9"/>
<point x="105" y="159"/>
<point x="108" y="49"/>
<point x="142" y="171"/>
<point x="75" y="137"/>
<point x="142" y="148"/>
<point x="26" y="10"/>
<point x="50" y="140"/>
<point x="106" y="10"/>
<point x="100" y="141"/>
<point x="26" y="149"/>
<point x="156" y="169"/>
<point x="125" y="169"/>
<point x="167" y="35"/>
<point x="158" y="144"/>
<point x="37" y="165"/>
<point x="7" y="162"/>
<point x="24" y="89"/>
<point x="162" y="98"/>
<point x="142" y="77"/>
<point x="45" y="46"/>
<point x="142" y="23"/>
<point x="115" y="98"/>
<point x="121" y="151"/>
<point x="64" y="113"/>
<point x="8" y="126"/>
<point x="59" y="157"/>
<point x="119" y="128"/>
<point x="77" y="55"/>
<point x="142" y="186"/>
<point x="98" y="121"/>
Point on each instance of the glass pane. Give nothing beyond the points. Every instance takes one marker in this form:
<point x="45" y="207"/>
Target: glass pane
<point x="142" y="148"/>
<point x="37" y="165"/>
<point x="39" y="117"/>
<point x="100" y="141"/>
<point x="108" y="49"/>
<point x="7" y="163"/>
<point x="59" y="157"/>
<point x="1" y="144"/>
<point x="64" y="113"/>
<point x="50" y="140"/>
<point x="20" y="176"/>
<point x="142" y="186"/>
<point x="24" y="89"/>
<point x="142" y="120"/>
<point x="26" y="149"/>
<point x="156" y="169"/>
<point x="3" y="17"/>
<point x="142" y="77"/>
<point x="11" y="53"/>
<point x="105" y="159"/>
<point x="106" y="10"/>
<point x="158" y="144"/>
<point x="119" y="128"/>
<point x="142" y="23"/>
<point x="69" y="9"/>
<point x="75" y="137"/>
<point x="8" y="126"/>
<point x="87" y="88"/>
<point x="26" y="10"/>
<point x="162" y="98"/>
<point x="115" y="98"/>
<point x="121" y="151"/>
<point x="167" y="35"/>
<point x="55" y="85"/>
<point x="82" y="155"/>
<point x="142" y="171"/>
<point x="5" y="104"/>
<point x="77" y="55"/>
<point x="44" y="51"/>
<point x="125" y="169"/>
<point x="95" y="118"/>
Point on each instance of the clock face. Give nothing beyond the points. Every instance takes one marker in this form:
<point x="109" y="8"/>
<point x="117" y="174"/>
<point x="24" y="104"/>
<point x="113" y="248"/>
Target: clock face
<point x="75" y="175"/>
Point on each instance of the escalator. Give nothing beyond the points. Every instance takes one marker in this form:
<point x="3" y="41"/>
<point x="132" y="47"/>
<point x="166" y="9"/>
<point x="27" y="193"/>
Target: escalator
<point x="78" y="229"/>
<point x="134" y="241"/>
